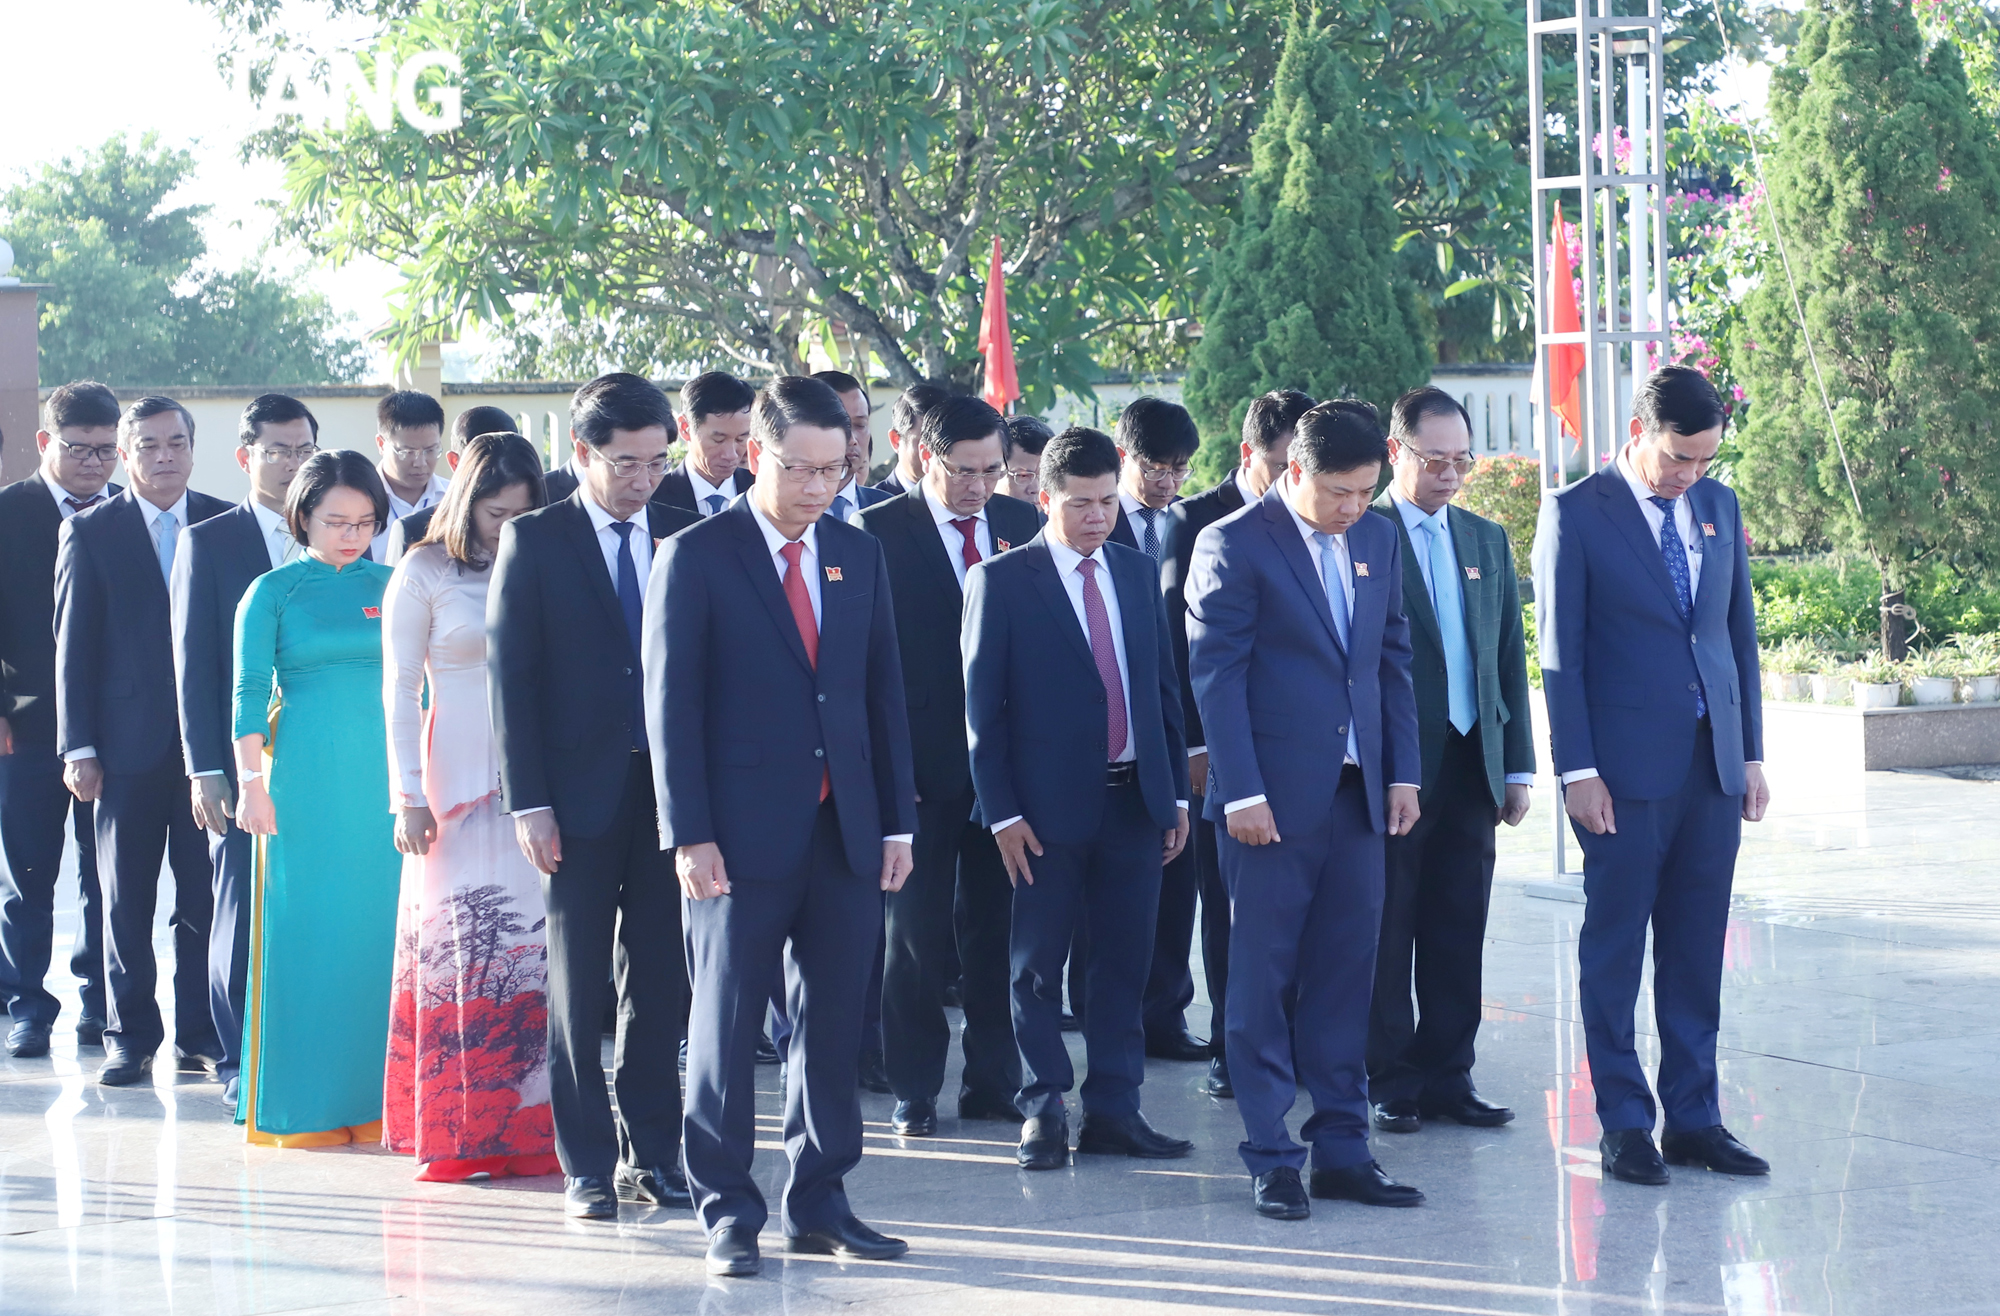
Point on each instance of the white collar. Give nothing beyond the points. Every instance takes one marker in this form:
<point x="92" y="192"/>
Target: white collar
<point x="1067" y="558"/>
<point x="1632" y="480"/>
<point x="601" y="520"/>
<point x="1414" y="516"/>
<point x="267" y="520"/>
<point x="59" y="493"/>
<point x="703" y="490"/>
<point x="1242" y="479"/>
<point x="774" y="538"/>
<point x="1305" y="526"/>
<point x="153" y="513"/>
<point x="1129" y="503"/>
<point x="943" y="515"/>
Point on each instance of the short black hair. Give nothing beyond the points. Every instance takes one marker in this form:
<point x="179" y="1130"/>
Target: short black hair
<point x="716" y="393"/>
<point x="1339" y="436"/>
<point x="842" y="382"/>
<point x="1078" y="453"/>
<point x="150" y="406"/>
<point x="618" y="401"/>
<point x="80" y="404"/>
<point x="1031" y="434"/>
<point x="482" y="419"/>
<point x="907" y="416"/>
<point x="272" y="409"/>
<point x="961" y="419"/>
<point x="407" y="409"/>
<point x="1158" y="431"/>
<point x="1271" y="414"/>
<point x="792" y="400"/>
<point x="336" y="468"/>
<point x="1418" y="405"/>
<point x="1678" y="398"/>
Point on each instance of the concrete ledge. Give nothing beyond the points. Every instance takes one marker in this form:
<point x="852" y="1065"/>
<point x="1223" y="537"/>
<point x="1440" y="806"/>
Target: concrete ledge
<point x="1875" y="739"/>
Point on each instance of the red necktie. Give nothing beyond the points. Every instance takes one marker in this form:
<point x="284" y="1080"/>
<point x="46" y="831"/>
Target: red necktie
<point x="1107" y="659"/>
<point x="802" y="615"/>
<point x="969" y="527"/>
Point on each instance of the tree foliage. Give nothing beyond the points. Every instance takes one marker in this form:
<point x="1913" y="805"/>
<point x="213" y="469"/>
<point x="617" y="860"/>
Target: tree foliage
<point x="133" y="300"/>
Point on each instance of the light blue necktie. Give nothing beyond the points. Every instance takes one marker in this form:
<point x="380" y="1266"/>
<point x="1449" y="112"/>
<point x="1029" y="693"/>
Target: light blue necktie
<point x="841" y="507"/>
<point x="1448" y="601"/>
<point x="715" y="502"/>
<point x="165" y="530"/>
<point x="1336" y="600"/>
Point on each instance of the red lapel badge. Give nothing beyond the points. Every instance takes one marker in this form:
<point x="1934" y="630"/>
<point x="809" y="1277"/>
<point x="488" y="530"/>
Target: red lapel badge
<point x="371" y="612"/>
<point x="1360" y="568"/>
<point x="832" y="574"/>
<point x="1472" y="573"/>
<point x="1708" y="528"/>
<point x="1002" y="545"/>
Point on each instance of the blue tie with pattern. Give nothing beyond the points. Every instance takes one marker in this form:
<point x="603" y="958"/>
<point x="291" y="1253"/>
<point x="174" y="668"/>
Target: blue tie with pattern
<point x="1675" y="554"/>
<point x="1151" y="541"/>
<point x="632" y="604"/>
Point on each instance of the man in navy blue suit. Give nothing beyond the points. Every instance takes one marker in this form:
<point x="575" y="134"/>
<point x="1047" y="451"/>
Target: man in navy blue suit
<point x="218" y="562"/>
<point x="1649" y="661"/>
<point x="906" y="418"/>
<point x="118" y="729"/>
<point x="1300" y="657"/>
<point x="1072" y="705"/>
<point x="775" y="704"/>
<point x="854" y="494"/>
<point x="715" y="428"/>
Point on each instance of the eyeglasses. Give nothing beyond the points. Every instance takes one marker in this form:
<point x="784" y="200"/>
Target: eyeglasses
<point x="349" y="529"/>
<point x="627" y="468"/>
<point x="1438" y="465"/>
<point x="422" y="454"/>
<point x="960" y="475"/>
<point x="90" y="452"/>
<point x="1162" y="474"/>
<point x="834" y="474"/>
<point x="1024" y="473"/>
<point x="273" y="453"/>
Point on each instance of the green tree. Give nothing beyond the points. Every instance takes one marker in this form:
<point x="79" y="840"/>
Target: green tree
<point x="1309" y="292"/>
<point x="1885" y="191"/>
<point x="131" y="301"/>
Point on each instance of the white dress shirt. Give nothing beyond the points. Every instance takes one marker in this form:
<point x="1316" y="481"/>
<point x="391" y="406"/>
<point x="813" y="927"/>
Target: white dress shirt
<point x="1133" y="508"/>
<point x="278" y="539"/>
<point x="62" y="495"/>
<point x="954" y="542"/>
<point x="432" y="495"/>
<point x="774" y="539"/>
<point x="152" y="515"/>
<point x="703" y="491"/>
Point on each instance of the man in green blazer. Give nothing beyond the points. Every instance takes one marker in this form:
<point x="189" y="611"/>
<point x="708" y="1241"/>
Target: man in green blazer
<point x="1476" y="734"/>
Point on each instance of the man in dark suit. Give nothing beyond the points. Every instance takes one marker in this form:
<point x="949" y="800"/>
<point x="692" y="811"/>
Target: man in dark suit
<point x="1649" y="664"/>
<point x="1300" y="657"/>
<point x="906" y="420"/>
<point x="715" y="426"/>
<point x="930" y="538"/>
<point x="1078" y="762"/>
<point x="563" y="641"/>
<point x="79" y="450"/>
<point x="775" y="698"/>
<point x="217" y="563"/>
<point x="1156" y="441"/>
<point x="854" y="494"/>
<point x="118" y="729"/>
<point x="1470" y="670"/>
<point x="409" y="436"/>
<point x="470" y="424"/>
<point x="1026" y="437"/>
<point x="1267" y="438"/>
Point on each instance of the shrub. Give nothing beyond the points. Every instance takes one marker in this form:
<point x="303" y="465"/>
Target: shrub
<point x="1507" y="489"/>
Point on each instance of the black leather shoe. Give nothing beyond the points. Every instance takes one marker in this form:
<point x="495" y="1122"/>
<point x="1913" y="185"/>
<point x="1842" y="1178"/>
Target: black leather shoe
<point x="767" y="1051"/>
<point x="732" y="1251"/>
<point x="1217" y="1083"/>
<point x="914" y="1119"/>
<point x="1365" y="1184"/>
<point x="1177" y="1046"/>
<point x="121" y="1068"/>
<point x="27" y="1039"/>
<point x="662" y="1185"/>
<point x="89" y="1031"/>
<point x="1396" y="1116"/>
<point x="1629" y="1155"/>
<point x="1044" y="1143"/>
<point x="982" y="1106"/>
<point x="590" y="1197"/>
<point x="871" y="1073"/>
<point x="1714" y="1148"/>
<point x="1127" y="1135"/>
<point x="848" y="1239"/>
<point x="954" y="994"/>
<point x="1070" y="1023"/>
<point x="195" y="1064"/>
<point x="1280" y="1195"/>
<point x="1471" y="1109"/>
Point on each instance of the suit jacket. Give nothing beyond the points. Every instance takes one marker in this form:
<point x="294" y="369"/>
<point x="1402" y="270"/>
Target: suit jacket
<point x="929" y="612"/>
<point x="1185" y="520"/>
<point x="1493" y="629"/>
<point x="562" y="680"/>
<point x="1619" y="666"/>
<point x="114" y="636"/>
<point x="1276" y="688"/>
<point x="409" y="530"/>
<point x="745" y="725"/>
<point x="894" y="484"/>
<point x="215" y="565"/>
<point x="30" y="523"/>
<point x="867" y="496"/>
<point x="677" y="490"/>
<point x="1035" y="705"/>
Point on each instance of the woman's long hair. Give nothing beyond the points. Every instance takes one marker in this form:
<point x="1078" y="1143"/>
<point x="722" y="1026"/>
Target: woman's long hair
<point x="488" y="464"/>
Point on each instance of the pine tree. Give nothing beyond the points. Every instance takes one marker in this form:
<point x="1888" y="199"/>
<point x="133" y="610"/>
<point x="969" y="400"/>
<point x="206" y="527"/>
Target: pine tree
<point x="1307" y="292"/>
<point x="1885" y="188"/>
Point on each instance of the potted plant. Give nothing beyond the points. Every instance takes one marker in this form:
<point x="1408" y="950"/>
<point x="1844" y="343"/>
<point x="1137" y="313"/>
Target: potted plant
<point x="1878" y="683"/>
<point x="1934" y="676"/>
<point x="1834" y="684"/>
<point x="1979" y="677"/>
<point x="1787" y="667"/>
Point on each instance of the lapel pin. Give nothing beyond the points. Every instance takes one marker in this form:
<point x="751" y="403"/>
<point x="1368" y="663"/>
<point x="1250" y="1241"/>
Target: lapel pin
<point x="1360" y="568"/>
<point x="371" y="612"/>
<point x="1708" y="529"/>
<point x="1472" y="573"/>
<point x="661" y="540"/>
<point x="832" y="574"/>
<point x="1002" y="545"/>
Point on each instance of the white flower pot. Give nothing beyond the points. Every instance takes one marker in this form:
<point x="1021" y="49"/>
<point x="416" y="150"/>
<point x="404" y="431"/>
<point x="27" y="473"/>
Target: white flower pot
<point x="1980" y="689"/>
<point x="1832" y="689"/>
<point x="1868" y="694"/>
<point x="1929" y="690"/>
<point x="1794" y="686"/>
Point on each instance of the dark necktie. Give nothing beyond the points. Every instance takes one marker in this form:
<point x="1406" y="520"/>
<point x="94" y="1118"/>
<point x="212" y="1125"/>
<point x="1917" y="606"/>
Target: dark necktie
<point x="75" y="506"/>
<point x="802" y="616"/>
<point x="715" y="502"/>
<point x="1675" y="554"/>
<point x="1151" y="540"/>
<point x="632" y="604"/>
<point x="969" y="527"/>
<point x="1106" y="657"/>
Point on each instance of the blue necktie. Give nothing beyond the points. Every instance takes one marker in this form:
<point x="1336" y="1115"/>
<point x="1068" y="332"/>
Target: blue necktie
<point x="841" y="507"/>
<point x="1448" y="601"/>
<point x="1675" y="554"/>
<point x="633" y="605"/>
<point x="715" y="502"/>
<point x="1151" y="543"/>
<point x="165" y="529"/>
<point x="1336" y="600"/>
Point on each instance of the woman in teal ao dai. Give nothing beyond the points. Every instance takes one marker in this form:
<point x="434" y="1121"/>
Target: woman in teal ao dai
<point x="315" y="770"/>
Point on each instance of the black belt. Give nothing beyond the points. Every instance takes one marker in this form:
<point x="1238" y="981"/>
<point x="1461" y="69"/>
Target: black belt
<point x="1122" y="774"/>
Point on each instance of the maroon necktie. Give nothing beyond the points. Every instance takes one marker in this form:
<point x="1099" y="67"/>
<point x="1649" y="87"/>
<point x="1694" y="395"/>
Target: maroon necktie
<point x="969" y="527"/>
<point x="1106" y="657"/>
<point x="75" y="506"/>
<point x="802" y="614"/>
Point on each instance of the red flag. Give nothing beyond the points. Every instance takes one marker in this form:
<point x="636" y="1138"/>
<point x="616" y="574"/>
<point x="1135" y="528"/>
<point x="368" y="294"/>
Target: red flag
<point x="1564" y="360"/>
<point x="996" y="344"/>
